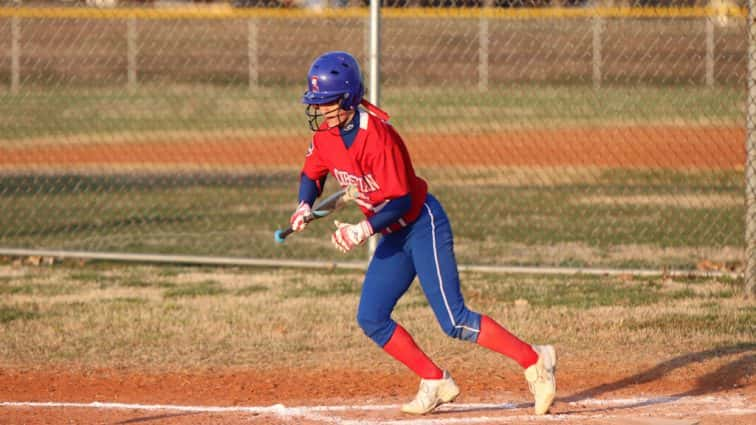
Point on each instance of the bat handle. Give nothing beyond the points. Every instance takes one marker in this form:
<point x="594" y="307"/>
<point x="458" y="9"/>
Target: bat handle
<point x="281" y="235"/>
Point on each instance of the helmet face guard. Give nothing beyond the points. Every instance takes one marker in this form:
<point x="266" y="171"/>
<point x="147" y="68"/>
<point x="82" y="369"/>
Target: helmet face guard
<point x="315" y="118"/>
<point x="334" y="77"/>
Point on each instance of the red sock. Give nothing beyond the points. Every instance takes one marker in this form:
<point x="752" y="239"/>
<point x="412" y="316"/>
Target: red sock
<point x="402" y="347"/>
<point x="494" y="337"/>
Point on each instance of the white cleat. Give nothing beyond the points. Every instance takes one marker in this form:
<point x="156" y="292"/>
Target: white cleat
<point x="432" y="393"/>
<point x="541" y="379"/>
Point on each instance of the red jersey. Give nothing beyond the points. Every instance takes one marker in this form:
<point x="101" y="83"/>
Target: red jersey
<point x="377" y="164"/>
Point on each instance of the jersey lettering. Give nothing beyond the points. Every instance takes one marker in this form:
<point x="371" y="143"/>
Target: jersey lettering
<point x="364" y="184"/>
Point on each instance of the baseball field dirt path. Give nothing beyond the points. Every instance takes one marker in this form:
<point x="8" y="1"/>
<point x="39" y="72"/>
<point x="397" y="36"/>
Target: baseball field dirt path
<point x="704" y="389"/>
<point x="654" y="147"/>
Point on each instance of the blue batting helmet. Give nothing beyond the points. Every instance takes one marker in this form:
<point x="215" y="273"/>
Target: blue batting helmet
<point x="334" y="76"/>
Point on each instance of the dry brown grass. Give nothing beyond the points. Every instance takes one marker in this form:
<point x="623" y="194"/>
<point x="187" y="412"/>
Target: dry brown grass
<point x="125" y="316"/>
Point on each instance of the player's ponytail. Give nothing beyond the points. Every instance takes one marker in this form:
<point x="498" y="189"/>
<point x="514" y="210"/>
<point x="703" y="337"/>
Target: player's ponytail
<point x="375" y="111"/>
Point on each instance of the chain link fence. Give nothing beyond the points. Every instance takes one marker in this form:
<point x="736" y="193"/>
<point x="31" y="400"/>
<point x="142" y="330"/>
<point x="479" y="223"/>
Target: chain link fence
<point x="591" y="137"/>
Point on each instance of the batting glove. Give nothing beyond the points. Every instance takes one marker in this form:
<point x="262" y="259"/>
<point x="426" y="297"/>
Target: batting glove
<point x="347" y="236"/>
<point x="301" y="217"/>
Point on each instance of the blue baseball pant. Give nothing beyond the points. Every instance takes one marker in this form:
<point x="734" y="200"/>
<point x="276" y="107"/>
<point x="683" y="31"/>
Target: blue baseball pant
<point x="424" y="249"/>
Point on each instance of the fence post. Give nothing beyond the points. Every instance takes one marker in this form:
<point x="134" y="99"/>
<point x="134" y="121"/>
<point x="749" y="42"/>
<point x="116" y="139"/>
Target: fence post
<point x="709" y="51"/>
<point x="374" y="62"/>
<point x="15" y="54"/>
<point x="366" y="39"/>
<point x="750" y="171"/>
<point x="131" y="42"/>
<point x="252" y="53"/>
<point x="483" y="41"/>
<point x="598" y="28"/>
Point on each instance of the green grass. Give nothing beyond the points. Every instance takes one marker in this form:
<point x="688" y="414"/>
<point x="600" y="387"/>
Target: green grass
<point x="588" y="220"/>
<point x="584" y="292"/>
<point x="200" y="289"/>
<point x="737" y="322"/>
<point x="553" y="106"/>
<point x="41" y="290"/>
<point x="318" y="289"/>
<point x="139" y="283"/>
<point x="125" y="301"/>
<point x="102" y="111"/>
<point x="97" y="112"/>
<point x="251" y="290"/>
<point x="558" y="219"/>
<point x="591" y="291"/>
<point x="9" y="314"/>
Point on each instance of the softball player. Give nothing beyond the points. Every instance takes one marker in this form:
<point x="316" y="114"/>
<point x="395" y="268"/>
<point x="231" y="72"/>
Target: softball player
<point x="360" y="148"/>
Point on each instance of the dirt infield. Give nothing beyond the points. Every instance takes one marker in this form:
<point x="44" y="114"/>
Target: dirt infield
<point x="706" y="388"/>
<point x="631" y="147"/>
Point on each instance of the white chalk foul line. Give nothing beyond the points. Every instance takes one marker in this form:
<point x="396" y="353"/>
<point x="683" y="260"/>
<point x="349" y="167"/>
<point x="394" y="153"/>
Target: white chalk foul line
<point x="313" y="413"/>
<point x="276" y="409"/>
<point x="273" y="409"/>
<point x="735" y="406"/>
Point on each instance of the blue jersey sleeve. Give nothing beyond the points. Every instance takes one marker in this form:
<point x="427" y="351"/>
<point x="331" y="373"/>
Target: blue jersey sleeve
<point x="310" y="189"/>
<point x="392" y="212"/>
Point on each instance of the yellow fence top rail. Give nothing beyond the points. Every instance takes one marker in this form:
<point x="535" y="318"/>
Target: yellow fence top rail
<point x="227" y="12"/>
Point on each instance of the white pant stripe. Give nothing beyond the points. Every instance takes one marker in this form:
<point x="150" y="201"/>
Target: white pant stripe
<point x="438" y="273"/>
